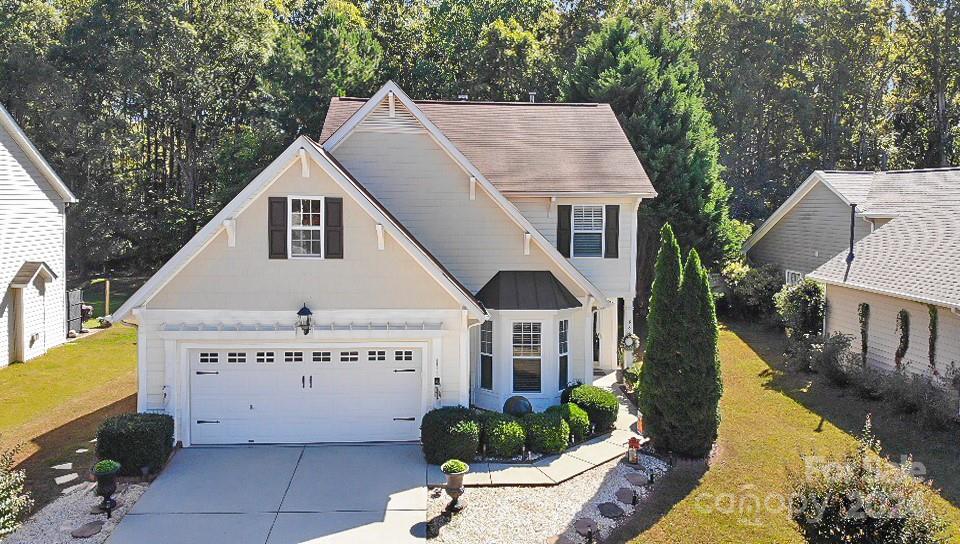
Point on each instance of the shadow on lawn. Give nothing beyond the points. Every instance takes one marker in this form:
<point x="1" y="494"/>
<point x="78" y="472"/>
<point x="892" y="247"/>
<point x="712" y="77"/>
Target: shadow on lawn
<point x="60" y="446"/>
<point x="900" y="434"/>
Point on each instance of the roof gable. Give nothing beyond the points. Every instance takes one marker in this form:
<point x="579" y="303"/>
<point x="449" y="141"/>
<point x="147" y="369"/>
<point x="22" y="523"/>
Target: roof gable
<point x="7" y="123"/>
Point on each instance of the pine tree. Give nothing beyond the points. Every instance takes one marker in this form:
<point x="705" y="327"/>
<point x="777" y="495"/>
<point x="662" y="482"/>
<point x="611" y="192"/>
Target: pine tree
<point x="663" y="344"/>
<point x="694" y="412"/>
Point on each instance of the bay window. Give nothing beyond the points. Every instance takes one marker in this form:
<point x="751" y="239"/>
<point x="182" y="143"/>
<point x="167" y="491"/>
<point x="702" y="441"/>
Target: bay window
<point x="527" y="350"/>
<point x="486" y="355"/>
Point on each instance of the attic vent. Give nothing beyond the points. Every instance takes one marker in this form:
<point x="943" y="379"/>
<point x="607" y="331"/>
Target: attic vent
<point x="380" y="120"/>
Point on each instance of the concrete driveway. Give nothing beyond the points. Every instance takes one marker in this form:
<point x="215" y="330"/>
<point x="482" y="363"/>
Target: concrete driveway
<point x="283" y="495"/>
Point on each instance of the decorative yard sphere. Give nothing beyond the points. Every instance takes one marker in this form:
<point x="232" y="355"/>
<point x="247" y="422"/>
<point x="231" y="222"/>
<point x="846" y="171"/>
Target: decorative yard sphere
<point x="517" y="406"/>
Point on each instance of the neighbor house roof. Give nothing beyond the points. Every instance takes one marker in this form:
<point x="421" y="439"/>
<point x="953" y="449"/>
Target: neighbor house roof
<point x="28" y="271"/>
<point x="917" y="254"/>
<point x="41" y="164"/>
<point x="532" y="148"/>
<point x="526" y="290"/>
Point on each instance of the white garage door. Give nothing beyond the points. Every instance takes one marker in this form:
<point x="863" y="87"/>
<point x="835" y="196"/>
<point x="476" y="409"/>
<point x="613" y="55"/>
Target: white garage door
<point x="270" y="395"/>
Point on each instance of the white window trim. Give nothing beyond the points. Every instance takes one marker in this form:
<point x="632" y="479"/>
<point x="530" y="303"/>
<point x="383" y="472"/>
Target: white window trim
<point x="787" y="275"/>
<point x="488" y="354"/>
<point x="513" y="358"/>
<point x="290" y="227"/>
<point x="603" y="231"/>
<point x="561" y="352"/>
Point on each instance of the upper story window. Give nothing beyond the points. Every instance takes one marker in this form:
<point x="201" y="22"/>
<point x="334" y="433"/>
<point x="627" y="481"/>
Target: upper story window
<point x="306" y="227"/>
<point x="792" y="277"/>
<point x="588" y="225"/>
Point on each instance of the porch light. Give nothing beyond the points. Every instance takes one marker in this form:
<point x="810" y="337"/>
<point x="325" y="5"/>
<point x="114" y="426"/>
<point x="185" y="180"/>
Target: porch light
<point x="304" y="316"/>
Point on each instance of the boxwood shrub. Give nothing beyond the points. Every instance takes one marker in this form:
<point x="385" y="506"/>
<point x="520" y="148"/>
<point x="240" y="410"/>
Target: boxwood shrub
<point x="503" y="435"/>
<point x="576" y="418"/>
<point x="136" y="441"/>
<point x="601" y="405"/>
<point x="546" y="432"/>
<point x="449" y="433"/>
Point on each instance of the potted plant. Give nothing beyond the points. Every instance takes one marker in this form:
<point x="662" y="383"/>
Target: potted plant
<point x="106" y="474"/>
<point x="454" y="470"/>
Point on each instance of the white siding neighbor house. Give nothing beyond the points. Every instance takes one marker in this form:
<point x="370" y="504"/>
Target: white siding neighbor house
<point x="33" y="202"/>
<point x="911" y="263"/>
<point x="437" y="253"/>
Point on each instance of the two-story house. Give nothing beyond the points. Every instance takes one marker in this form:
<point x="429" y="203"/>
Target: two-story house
<point x="424" y="253"/>
<point x="33" y="203"/>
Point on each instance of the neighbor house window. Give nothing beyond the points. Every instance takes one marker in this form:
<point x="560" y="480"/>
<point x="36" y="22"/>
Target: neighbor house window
<point x="563" y="348"/>
<point x="526" y="356"/>
<point x="587" y="231"/>
<point x="486" y="355"/>
<point x="793" y="277"/>
<point x="306" y="227"/>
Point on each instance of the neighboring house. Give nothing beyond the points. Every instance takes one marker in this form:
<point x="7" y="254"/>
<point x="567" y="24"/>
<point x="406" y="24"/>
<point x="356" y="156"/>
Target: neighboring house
<point x="912" y="263"/>
<point x="449" y="253"/>
<point x="33" y="202"/>
<point x="813" y="224"/>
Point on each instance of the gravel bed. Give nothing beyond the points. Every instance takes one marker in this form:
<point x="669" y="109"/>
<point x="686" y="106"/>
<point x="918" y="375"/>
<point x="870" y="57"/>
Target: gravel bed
<point x="510" y="515"/>
<point x="53" y="523"/>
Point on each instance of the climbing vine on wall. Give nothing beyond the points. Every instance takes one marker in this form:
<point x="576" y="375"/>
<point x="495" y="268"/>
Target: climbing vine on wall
<point x="932" y="351"/>
<point x="903" y="326"/>
<point x="864" y="312"/>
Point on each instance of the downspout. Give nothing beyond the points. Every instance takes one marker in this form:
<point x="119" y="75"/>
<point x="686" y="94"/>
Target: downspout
<point x="850" y="255"/>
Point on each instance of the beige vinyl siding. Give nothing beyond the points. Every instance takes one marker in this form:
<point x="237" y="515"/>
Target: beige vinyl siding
<point x="883" y="337"/>
<point x="612" y="276"/>
<point x="430" y="194"/>
<point x="815" y="230"/>
<point x="31" y="229"/>
<point x="243" y="278"/>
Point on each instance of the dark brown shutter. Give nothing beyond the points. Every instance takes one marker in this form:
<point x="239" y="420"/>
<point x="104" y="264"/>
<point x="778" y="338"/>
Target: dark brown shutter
<point x="277" y="227"/>
<point x="333" y="228"/>
<point x="563" y="229"/>
<point x="612" y="233"/>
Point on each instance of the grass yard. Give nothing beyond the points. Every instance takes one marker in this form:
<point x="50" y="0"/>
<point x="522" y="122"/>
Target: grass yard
<point x="120" y="291"/>
<point x="770" y="420"/>
<point x="53" y="404"/>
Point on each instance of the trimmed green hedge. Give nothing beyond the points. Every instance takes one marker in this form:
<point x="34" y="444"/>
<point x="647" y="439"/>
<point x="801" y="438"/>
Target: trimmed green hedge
<point x="449" y="433"/>
<point x="136" y="441"/>
<point x="601" y="405"/>
<point x="503" y="435"/>
<point x="546" y="432"/>
<point x="576" y="418"/>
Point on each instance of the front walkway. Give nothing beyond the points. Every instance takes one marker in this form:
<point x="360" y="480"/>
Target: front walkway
<point x="555" y="469"/>
<point x="329" y="494"/>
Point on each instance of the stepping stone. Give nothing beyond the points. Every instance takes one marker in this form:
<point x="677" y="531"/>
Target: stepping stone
<point x="610" y="510"/>
<point x="65" y="466"/>
<point x="82" y="450"/>
<point x="87" y="529"/>
<point x="625" y="495"/>
<point x="638" y="478"/>
<point x="73" y="488"/>
<point x="94" y="441"/>
<point x="585" y="526"/>
<point x="60" y="480"/>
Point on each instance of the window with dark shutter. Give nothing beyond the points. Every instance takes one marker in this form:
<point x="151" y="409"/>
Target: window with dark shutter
<point x="563" y="229"/>
<point x="611" y="233"/>
<point x="277" y="227"/>
<point x="333" y="228"/>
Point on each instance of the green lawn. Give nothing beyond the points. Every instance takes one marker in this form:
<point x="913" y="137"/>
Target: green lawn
<point x="120" y="291"/>
<point x="771" y="419"/>
<point x="53" y="404"/>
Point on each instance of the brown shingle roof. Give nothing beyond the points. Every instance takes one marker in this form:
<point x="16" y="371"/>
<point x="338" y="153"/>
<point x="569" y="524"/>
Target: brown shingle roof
<point x="523" y="147"/>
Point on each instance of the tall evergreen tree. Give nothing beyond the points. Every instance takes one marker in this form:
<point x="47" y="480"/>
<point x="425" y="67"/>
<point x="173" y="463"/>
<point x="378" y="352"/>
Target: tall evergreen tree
<point x="657" y="375"/>
<point x="649" y="78"/>
<point x="695" y="410"/>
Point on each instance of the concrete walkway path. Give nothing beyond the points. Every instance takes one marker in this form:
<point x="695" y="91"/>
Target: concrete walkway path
<point x="326" y="494"/>
<point x="555" y="469"/>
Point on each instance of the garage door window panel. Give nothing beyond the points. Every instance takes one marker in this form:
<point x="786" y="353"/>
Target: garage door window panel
<point x="265" y="357"/>
<point x="349" y="356"/>
<point x="208" y="357"/>
<point x="321" y="357"/>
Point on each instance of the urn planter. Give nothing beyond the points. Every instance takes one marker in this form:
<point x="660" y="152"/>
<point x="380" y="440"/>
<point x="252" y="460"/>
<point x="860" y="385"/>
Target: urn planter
<point x="106" y="474"/>
<point x="454" y="471"/>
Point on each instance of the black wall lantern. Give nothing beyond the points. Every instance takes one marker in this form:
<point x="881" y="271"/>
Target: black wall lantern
<point x="304" y="316"/>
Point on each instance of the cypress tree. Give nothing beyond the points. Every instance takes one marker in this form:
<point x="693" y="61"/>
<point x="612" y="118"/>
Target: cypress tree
<point x="695" y="413"/>
<point x="663" y="344"/>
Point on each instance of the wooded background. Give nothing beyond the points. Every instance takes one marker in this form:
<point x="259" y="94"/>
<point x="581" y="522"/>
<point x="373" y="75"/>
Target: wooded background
<point x="157" y="112"/>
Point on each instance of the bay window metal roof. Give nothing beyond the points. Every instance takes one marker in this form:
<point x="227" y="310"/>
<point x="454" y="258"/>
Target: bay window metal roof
<point x="526" y="290"/>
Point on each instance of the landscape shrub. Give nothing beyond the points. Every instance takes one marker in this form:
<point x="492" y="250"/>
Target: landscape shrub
<point x="136" y="441"/>
<point x="576" y="417"/>
<point x="752" y="289"/>
<point x="828" y="355"/>
<point x="502" y="435"/>
<point x="801" y="307"/>
<point x="871" y="383"/>
<point x="454" y="466"/>
<point x="449" y="433"/>
<point x="861" y="498"/>
<point x="600" y="405"/>
<point x="546" y="433"/>
<point x="15" y="501"/>
<point x="565" y="394"/>
<point x="631" y="376"/>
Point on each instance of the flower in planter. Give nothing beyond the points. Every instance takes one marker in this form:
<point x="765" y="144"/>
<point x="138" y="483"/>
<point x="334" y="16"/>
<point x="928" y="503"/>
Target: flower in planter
<point x="454" y="466"/>
<point x="106" y="466"/>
